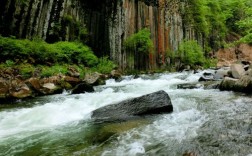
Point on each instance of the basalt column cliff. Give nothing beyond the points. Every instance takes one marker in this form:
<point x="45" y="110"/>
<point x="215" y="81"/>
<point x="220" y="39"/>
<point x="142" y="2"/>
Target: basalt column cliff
<point x="103" y="24"/>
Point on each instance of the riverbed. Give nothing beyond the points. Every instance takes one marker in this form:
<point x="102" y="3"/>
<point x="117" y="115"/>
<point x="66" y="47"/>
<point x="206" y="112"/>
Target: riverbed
<point x="204" y="122"/>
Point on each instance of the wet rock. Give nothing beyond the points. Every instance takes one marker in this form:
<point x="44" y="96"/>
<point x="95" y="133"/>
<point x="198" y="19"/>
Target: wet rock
<point x="4" y="88"/>
<point x="115" y="74"/>
<point x="207" y="76"/>
<point x="228" y="83"/>
<point x="82" y="88"/>
<point x="212" y="85"/>
<point x="73" y="72"/>
<point x="95" y="79"/>
<point x="19" y="89"/>
<point x="71" y="80"/>
<point x="189" y="86"/>
<point x="246" y="67"/>
<point x="136" y="76"/>
<point x="22" y="92"/>
<point x="51" y="88"/>
<point x="154" y="103"/>
<point x="221" y="73"/>
<point x="237" y="70"/>
<point x="244" y="84"/>
<point x="53" y="79"/>
<point x="249" y="72"/>
<point x="34" y="84"/>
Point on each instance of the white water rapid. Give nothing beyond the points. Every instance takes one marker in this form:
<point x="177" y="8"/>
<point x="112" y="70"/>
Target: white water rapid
<point x="204" y="122"/>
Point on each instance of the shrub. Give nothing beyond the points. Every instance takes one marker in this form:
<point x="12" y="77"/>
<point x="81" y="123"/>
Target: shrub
<point x="140" y="42"/>
<point x="9" y="63"/>
<point x="53" y="70"/>
<point x="191" y="53"/>
<point x="44" y="53"/>
<point x="105" y="66"/>
<point x="26" y="70"/>
<point x="247" y="39"/>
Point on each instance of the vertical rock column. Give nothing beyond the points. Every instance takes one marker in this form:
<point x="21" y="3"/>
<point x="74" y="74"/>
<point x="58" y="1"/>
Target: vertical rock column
<point x="162" y="18"/>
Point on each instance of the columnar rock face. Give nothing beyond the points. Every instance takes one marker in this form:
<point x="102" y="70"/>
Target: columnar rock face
<point x="51" y="20"/>
<point x="108" y="23"/>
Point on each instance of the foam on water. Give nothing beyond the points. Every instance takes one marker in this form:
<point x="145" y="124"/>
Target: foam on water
<point x="191" y="110"/>
<point x="71" y="108"/>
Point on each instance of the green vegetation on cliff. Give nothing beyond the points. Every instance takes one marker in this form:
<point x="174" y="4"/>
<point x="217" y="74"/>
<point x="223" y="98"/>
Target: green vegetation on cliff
<point x="220" y="22"/>
<point x="191" y="53"/>
<point x="51" y="59"/>
<point x="140" y="42"/>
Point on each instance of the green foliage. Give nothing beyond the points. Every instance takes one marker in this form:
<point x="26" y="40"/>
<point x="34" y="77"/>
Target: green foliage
<point x="195" y="14"/>
<point x="54" y="70"/>
<point x="191" y="53"/>
<point x="140" y="42"/>
<point x="50" y="59"/>
<point x="9" y="63"/>
<point x="105" y="65"/>
<point x="210" y="63"/>
<point x="26" y="70"/>
<point x="42" y="52"/>
<point x="68" y="19"/>
<point x="247" y="39"/>
<point x="216" y="19"/>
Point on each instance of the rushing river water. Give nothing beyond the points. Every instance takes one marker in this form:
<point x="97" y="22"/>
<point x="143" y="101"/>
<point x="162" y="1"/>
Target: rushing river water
<point x="204" y="122"/>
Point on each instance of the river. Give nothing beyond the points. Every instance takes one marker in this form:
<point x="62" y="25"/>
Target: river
<point x="204" y="122"/>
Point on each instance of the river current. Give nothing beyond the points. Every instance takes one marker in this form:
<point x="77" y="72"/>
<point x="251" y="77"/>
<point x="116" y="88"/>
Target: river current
<point x="204" y="122"/>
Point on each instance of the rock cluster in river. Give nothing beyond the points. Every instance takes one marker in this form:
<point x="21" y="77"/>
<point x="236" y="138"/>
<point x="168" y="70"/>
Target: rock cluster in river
<point x="239" y="79"/>
<point x="14" y="87"/>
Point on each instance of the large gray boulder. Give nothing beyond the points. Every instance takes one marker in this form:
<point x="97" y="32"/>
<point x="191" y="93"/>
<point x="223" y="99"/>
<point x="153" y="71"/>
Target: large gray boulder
<point x="237" y="70"/>
<point x="154" y="103"/>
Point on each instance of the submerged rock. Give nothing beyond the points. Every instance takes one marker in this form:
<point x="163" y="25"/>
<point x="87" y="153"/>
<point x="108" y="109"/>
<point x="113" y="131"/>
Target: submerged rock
<point x="154" y="103"/>
<point x="189" y="86"/>
<point x="205" y="85"/>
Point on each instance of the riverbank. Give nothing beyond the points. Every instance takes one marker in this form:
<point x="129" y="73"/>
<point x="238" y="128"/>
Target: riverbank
<point x="13" y="86"/>
<point x="30" y="68"/>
